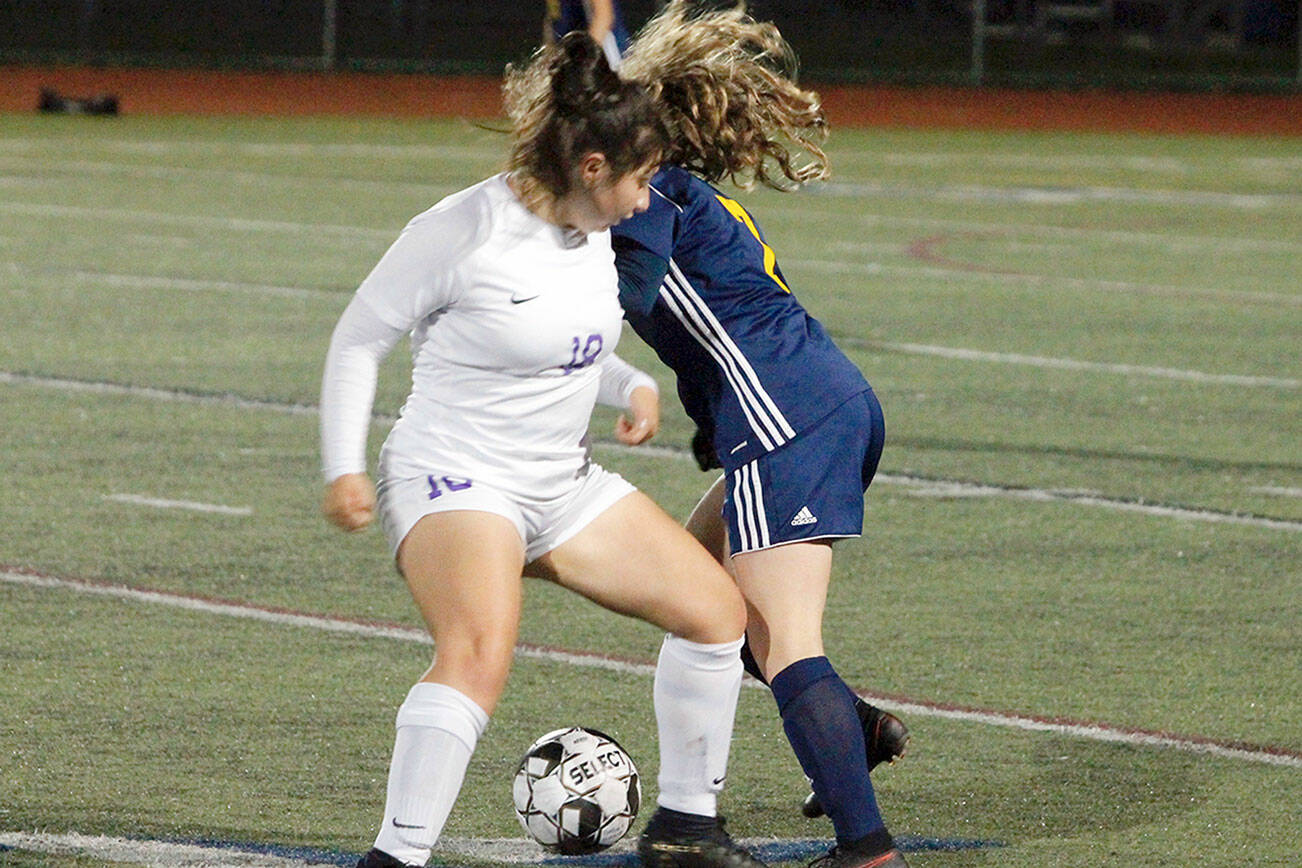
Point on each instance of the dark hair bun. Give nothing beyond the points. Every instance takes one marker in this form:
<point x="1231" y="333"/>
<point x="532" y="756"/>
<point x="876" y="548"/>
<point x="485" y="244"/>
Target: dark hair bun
<point x="582" y="80"/>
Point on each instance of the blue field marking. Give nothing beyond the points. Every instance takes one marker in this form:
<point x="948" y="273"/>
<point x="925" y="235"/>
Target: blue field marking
<point x="310" y="855"/>
<point x="451" y="851"/>
<point x="918" y="844"/>
<point x="790" y="850"/>
<point x="797" y="850"/>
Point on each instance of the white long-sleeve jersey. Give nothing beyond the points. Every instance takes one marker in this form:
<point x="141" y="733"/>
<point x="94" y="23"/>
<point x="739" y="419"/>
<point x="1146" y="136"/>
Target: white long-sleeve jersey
<point x="512" y="321"/>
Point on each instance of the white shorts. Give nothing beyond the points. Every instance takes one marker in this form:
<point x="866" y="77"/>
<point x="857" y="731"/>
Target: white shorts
<point x="542" y="524"/>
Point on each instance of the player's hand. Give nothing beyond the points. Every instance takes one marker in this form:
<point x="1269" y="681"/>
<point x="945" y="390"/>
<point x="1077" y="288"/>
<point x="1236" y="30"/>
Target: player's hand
<point x="644" y="406"/>
<point x="350" y="502"/>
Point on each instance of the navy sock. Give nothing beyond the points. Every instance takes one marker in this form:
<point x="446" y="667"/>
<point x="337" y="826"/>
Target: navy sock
<point x="749" y="663"/>
<point x="818" y="716"/>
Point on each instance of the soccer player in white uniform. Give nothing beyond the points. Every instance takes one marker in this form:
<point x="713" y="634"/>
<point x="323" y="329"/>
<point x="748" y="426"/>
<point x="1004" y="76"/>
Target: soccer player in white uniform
<point x="508" y="290"/>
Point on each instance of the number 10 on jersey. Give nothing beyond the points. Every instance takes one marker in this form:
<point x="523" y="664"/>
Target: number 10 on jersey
<point x="451" y="483"/>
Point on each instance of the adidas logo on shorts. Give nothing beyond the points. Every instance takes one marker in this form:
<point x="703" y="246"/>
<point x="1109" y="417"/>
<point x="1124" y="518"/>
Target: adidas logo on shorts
<point x="803" y="517"/>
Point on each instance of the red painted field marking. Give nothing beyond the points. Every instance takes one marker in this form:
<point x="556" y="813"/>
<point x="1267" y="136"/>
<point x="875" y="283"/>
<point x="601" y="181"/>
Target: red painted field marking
<point x="1094" y="731"/>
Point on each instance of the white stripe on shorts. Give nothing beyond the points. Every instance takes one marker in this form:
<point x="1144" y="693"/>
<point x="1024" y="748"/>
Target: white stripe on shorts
<point x="748" y="501"/>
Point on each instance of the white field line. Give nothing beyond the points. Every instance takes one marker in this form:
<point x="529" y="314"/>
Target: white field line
<point x="510" y="851"/>
<point x="921" y="485"/>
<point x="1099" y="367"/>
<point x="191" y="505"/>
<point x="1090" y="731"/>
<point x="160" y="239"/>
<point x="1274" y="164"/>
<point x="32" y="145"/>
<point x="1050" y="162"/>
<point x="1277" y="490"/>
<point x="198" y="285"/>
<point x="166" y="395"/>
<point x="958" y="275"/>
<point x="836" y="266"/>
<point x="918" y="486"/>
<point x="181" y="284"/>
<point x="833" y="266"/>
<point x="1173" y="241"/>
<point x="51" y="169"/>
<point x="36" y="146"/>
<point x="1269" y="169"/>
<point x="155" y="854"/>
<point x="1002" y="235"/>
<point x="1220" y="244"/>
<point x="478" y="153"/>
<point x="1272" y="167"/>
<point x="167" y="854"/>
<point x="22" y="183"/>
<point x="240" y="224"/>
<point x="1026" y="195"/>
<point x="64" y="170"/>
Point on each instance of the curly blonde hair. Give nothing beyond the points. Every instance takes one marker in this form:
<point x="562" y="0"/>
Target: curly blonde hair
<point x="726" y="85"/>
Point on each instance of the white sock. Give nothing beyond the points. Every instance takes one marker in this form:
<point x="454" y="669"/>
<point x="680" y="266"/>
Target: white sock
<point x="696" y="688"/>
<point x="438" y="728"/>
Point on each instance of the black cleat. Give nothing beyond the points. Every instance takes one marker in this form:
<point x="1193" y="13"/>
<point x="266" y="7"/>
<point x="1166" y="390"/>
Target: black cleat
<point x="661" y="846"/>
<point x="884" y="735"/>
<point x="379" y="859"/>
<point x="838" y="858"/>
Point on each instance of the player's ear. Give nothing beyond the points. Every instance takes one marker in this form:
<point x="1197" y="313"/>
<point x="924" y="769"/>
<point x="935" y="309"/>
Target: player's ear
<point x="593" y="169"/>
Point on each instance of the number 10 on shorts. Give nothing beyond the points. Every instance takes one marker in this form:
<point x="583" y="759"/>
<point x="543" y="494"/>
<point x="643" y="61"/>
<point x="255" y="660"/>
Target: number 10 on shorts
<point x="451" y="483"/>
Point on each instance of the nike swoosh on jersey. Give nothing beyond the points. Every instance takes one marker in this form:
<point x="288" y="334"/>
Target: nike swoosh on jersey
<point x="515" y="300"/>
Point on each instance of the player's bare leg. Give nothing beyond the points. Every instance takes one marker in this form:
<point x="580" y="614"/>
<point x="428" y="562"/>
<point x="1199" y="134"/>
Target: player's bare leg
<point x="637" y="560"/>
<point x="885" y="735"/>
<point x="706" y="523"/>
<point x="463" y="569"/>
<point x="786" y="590"/>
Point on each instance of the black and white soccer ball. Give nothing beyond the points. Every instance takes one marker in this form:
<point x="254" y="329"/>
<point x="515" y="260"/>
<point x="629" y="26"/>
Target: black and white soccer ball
<point x="576" y="791"/>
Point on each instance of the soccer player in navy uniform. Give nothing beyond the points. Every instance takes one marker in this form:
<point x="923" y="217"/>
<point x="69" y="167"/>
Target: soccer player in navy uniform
<point x="792" y="422"/>
<point x="600" y="18"/>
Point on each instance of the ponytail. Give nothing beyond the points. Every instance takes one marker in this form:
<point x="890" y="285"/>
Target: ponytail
<point x="568" y="102"/>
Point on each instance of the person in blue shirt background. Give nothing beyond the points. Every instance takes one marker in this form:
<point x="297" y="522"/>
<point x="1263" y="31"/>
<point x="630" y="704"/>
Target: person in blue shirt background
<point x="600" y="18"/>
<point x="792" y="422"/>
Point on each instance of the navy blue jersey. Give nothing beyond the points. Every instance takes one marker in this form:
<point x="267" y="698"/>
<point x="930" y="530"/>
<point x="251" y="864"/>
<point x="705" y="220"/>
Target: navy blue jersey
<point x="699" y="284"/>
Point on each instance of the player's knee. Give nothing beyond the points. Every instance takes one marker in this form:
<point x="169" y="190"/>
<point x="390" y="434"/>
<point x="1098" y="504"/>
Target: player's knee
<point x="720" y="618"/>
<point x="480" y="663"/>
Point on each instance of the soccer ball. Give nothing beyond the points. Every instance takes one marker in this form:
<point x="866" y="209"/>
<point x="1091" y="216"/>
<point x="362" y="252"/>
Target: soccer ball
<point x="576" y="791"/>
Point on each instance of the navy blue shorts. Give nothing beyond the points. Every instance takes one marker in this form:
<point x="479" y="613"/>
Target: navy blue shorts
<point x="813" y="486"/>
